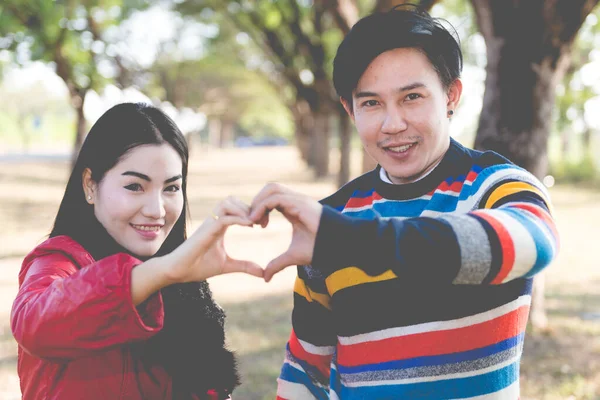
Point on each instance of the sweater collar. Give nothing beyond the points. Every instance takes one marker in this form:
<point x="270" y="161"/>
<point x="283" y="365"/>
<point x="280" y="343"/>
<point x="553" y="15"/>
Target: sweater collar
<point x="426" y="184"/>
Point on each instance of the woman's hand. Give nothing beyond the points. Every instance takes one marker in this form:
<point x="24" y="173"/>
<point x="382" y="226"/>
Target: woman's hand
<point x="200" y="257"/>
<point x="203" y="254"/>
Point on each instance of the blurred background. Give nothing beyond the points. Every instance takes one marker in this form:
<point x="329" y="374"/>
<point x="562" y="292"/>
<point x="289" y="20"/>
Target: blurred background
<point x="249" y="83"/>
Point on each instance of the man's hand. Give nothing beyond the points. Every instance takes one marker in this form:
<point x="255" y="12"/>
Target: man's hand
<point x="303" y="212"/>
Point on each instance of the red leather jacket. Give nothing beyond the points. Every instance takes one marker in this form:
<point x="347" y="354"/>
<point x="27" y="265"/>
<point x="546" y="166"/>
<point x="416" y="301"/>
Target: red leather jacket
<point x="74" y="320"/>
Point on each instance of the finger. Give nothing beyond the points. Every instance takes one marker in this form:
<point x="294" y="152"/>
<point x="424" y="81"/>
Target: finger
<point x="240" y="204"/>
<point x="284" y="203"/>
<point x="278" y="264"/>
<point x="232" y="207"/>
<point x="246" y="267"/>
<point x="267" y="191"/>
<point x="263" y="207"/>
<point x="220" y="225"/>
<point x="233" y="203"/>
<point x="264" y="221"/>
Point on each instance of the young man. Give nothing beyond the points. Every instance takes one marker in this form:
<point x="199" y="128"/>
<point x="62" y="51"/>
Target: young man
<point x="418" y="275"/>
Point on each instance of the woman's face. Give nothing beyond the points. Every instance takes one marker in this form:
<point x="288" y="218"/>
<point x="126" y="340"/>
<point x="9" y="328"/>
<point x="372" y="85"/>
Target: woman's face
<point x="139" y="200"/>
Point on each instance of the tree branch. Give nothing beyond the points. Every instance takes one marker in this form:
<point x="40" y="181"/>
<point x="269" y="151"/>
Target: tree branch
<point x="428" y="4"/>
<point x="386" y="5"/>
<point x="344" y="13"/>
<point x="571" y="15"/>
<point x="273" y="47"/>
<point x="303" y="43"/>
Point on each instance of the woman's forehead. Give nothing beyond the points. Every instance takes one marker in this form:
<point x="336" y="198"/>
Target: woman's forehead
<point x="158" y="160"/>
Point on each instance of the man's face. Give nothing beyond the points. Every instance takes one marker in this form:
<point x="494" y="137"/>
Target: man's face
<point x="400" y="110"/>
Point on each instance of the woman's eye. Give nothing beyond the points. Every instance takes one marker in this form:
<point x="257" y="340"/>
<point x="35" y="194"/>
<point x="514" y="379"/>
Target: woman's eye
<point x="134" y="187"/>
<point x="173" y="188"/>
<point x="413" y="96"/>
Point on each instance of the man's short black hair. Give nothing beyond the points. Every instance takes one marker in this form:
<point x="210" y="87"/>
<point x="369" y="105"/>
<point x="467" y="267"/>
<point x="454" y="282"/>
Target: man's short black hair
<point x="401" y="27"/>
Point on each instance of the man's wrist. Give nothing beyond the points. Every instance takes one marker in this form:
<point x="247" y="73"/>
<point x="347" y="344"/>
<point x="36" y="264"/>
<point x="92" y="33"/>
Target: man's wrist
<point x="337" y="241"/>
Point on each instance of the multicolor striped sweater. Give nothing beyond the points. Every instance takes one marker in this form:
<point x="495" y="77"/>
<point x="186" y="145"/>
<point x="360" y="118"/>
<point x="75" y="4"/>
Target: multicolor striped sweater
<point x="421" y="291"/>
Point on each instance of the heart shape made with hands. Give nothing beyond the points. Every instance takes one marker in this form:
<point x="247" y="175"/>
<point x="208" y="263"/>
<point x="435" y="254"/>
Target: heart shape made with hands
<point x="257" y="244"/>
<point x="300" y="212"/>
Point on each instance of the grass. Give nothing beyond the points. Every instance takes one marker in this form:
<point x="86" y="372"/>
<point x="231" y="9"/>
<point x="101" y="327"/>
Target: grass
<point x="560" y="363"/>
<point x="56" y="130"/>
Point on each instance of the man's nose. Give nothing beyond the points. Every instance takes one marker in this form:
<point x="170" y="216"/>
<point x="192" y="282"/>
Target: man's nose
<point x="394" y="121"/>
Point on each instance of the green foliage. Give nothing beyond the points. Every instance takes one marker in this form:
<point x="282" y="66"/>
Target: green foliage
<point x="230" y="81"/>
<point x="223" y="88"/>
<point x="63" y="32"/>
<point x="581" y="171"/>
<point x="459" y="14"/>
<point x="573" y="92"/>
<point x="289" y="35"/>
<point x="272" y="17"/>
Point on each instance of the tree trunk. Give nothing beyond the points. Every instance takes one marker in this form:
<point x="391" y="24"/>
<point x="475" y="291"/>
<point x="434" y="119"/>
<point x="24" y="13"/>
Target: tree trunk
<point x="516" y="117"/>
<point x="167" y="84"/>
<point x="320" y="144"/>
<point x="80" y="127"/>
<point x="586" y="142"/>
<point x="528" y="44"/>
<point x="323" y="108"/>
<point x="345" y="139"/>
<point x="539" y="317"/>
<point x="226" y="139"/>
<point x="214" y="132"/>
<point x="565" y="143"/>
<point x="304" y="123"/>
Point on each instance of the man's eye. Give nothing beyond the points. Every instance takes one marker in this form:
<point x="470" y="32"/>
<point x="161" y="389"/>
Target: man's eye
<point x="413" y="96"/>
<point x="370" y="103"/>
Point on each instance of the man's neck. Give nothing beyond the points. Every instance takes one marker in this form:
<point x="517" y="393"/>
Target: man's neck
<point x="386" y="178"/>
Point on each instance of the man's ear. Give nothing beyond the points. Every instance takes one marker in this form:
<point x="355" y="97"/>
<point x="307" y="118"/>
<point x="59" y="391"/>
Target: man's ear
<point x="348" y="108"/>
<point x="89" y="186"/>
<point x="454" y="93"/>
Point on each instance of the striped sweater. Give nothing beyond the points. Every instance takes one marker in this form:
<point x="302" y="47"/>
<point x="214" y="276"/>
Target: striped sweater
<point x="421" y="291"/>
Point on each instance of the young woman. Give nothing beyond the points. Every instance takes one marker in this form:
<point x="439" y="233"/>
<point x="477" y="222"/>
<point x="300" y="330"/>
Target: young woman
<point x="115" y="304"/>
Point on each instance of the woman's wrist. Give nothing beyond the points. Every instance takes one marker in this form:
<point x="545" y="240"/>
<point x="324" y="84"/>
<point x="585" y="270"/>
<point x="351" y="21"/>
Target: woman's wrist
<point x="149" y="277"/>
<point x="166" y="274"/>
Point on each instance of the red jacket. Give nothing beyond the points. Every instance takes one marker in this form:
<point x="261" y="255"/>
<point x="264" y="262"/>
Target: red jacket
<point x="74" y="319"/>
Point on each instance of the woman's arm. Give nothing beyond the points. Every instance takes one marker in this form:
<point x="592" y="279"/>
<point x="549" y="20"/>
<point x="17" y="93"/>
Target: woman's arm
<point x="63" y="313"/>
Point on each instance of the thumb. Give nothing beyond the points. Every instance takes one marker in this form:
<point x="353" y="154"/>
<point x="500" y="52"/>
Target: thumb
<point x="278" y="264"/>
<point x="246" y="267"/>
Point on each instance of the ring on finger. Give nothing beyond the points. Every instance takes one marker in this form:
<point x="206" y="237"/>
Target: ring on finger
<point x="215" y="216"/>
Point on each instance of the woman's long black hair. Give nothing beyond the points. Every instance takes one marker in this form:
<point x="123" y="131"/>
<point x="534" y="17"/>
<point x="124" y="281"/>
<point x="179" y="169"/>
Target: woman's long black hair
<point x="191" y="344"/>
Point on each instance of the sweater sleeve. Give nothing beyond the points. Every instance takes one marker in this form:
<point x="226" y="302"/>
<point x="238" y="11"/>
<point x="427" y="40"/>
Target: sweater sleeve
<point x="309" y="351"/>
<point x="61" y="312"/>
<point x="510" y="235"/>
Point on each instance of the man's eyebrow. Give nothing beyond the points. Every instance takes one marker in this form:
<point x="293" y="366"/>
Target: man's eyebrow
<point x="412" y="86"/>
<point x="358" y="95"/>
